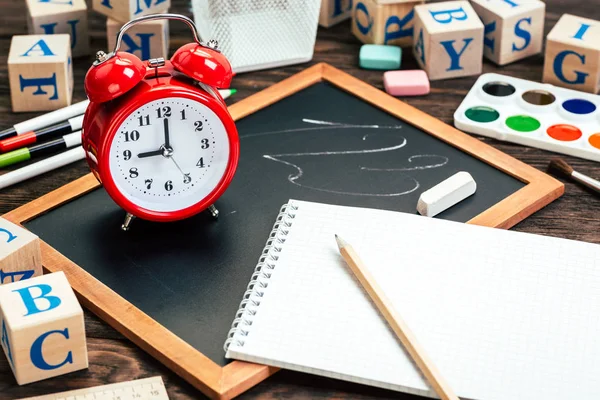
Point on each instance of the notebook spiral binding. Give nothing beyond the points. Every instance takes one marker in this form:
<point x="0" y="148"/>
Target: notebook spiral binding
<point x="261" y="276"/>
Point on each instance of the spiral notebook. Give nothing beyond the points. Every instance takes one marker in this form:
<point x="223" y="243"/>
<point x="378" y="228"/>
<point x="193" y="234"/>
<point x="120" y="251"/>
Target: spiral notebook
<point x="502" y="315"/>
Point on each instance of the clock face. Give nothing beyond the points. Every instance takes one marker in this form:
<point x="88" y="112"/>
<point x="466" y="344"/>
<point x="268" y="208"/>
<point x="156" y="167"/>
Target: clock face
<point x="169" y="154"/>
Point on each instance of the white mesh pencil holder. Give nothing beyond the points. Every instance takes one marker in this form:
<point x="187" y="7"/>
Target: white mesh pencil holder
<point x="259" y="34"/>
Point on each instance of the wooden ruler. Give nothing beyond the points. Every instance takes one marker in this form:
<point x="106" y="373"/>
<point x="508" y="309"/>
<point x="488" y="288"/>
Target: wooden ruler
<point x="143" y="389"/>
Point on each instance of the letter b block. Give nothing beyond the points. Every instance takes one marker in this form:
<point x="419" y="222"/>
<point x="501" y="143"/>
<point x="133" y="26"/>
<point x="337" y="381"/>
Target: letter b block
<point x="390" y="24"/>
<point x="126" y="10"/>
<point x="20" y="256"/>
<point x="573" y="54"/>
<point x="61" y="16"/>
<point x="448" y="40"/>
<point x="147" y="40"/>
<point x="40" y="72"/>
<point x="334" y="11"/>
<point x="514" y="29"/>
<point x="43" y="333"/>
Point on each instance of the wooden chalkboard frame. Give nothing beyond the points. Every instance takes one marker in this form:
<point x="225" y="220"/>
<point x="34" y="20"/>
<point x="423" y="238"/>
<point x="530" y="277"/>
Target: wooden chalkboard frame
<point x="227" y="382"/>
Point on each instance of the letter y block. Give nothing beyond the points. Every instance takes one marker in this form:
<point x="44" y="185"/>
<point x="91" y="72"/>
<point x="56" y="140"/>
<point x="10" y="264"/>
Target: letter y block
<point x="573" y="54"/>
<point x="448" y="40"/>
<point x="42" y="328"/>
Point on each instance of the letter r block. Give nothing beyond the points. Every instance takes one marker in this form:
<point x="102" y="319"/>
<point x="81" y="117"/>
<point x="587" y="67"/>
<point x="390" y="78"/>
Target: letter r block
<point x="573" y="54"/>
<point x="42" y="329"/>
<point x="514" y="29"/>
<point x="40" y="72"/>
<point x="126" y="10"/>
<point x="60" y="16"/>
<point x="448" y="40"/>
<point x="20" y="256"/>
<point x="147" y="40"/>
<point x="390" y="24"/>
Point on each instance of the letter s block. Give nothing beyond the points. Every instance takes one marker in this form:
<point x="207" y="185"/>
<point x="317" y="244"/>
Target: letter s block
<point x="42" y="329"/>
<point x="126" y="10"/>
<point x="573" y="54"/>
<point x="514" y="29"/>
<point x="147" y="40"/>
<point x="61" y="16"/>
<point x="20" y="256"/>
<point x="390" y="24"/>
<point x="40" y="72"/>
<point x="448" y="41"/>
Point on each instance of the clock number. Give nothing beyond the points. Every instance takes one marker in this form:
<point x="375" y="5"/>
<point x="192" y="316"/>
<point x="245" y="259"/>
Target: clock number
<point x="199" y="126"/>
<point x="127" y="155"/>
<point x="187" y="178"/>
<point x="163" y="112"/>
<point x="144" y="120"/>
<point x="168" y="186"/>
<point x="148" y="183"/>
<point x="200" y="162"/>
<point x="131" y="136"/>
<point x="133" y="172"/>
<point x="183" y="114"/>
<point x="205" y="144"/>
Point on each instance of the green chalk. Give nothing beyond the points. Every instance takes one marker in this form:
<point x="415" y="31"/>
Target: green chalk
<point x="15" y="156"/>
<point x="378" y="56"/>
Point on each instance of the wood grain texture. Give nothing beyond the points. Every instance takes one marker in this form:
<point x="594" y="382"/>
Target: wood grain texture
<point x="113" y="358"/>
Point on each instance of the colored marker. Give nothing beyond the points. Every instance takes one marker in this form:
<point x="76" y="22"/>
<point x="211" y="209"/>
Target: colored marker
<point x="41" y="167"/>
<point x="20" y="141"/>
<point x="44" y="121"/>
<point x="226" y="93"/>
<point x="53" y="146"/>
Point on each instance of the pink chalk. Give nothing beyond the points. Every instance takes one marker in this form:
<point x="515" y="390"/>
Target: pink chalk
<point x="406" y="83"/>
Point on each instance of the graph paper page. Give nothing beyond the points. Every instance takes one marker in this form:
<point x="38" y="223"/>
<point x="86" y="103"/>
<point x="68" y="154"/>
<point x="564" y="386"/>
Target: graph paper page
<point x="503" y="315"/>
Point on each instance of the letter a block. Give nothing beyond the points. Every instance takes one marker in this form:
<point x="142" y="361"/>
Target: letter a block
<point x="126" y="10"/>
<point x="61" y="16"/>
<point x="20" y="256"/>
<point x="334" y="12"/>
<point x="573" y="54"/>
<point x="391" y="24"/>
<point x="514" y="29"/>
<point x="147" y="40"/>
<point x="448" y="40"/>
<point x="43" y="333"/>
<point x="40" y="72"/>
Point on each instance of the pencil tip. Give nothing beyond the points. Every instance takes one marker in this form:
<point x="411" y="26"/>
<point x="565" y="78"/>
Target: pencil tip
<point x="340" y="242"/>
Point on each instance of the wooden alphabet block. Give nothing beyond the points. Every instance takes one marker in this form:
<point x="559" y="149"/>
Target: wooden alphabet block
<point x="448" y="40"/>
<point x="61" y="16"/>
<point x="20" y="255"/>
<point x="334" y="12"/>
<point x="126" y="10"/>
<point x="514" y="29"/>
<point x="43" y="333"/>
<point x="40" y="72"/>
<point x="146" y="40"/>
<point x="573" y="54"/>
<point x="391" y="24"/>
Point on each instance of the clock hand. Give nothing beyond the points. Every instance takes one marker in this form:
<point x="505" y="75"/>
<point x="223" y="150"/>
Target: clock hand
<point x="167" y="139"/>
<point x="178" y="167"/>
<point x="151" y="154"/>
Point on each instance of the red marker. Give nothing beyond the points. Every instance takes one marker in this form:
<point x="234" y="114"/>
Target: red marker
<point x="28" y="138"/>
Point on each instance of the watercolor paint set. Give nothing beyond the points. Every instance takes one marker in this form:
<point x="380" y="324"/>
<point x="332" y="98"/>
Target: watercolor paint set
<point x="532" y="114"/>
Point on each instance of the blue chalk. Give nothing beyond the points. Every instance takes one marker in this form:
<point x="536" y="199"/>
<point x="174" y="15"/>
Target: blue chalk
<point x="378" y="56"/>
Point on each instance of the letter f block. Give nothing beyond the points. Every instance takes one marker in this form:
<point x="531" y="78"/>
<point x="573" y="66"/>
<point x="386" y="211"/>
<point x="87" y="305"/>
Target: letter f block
<point x="448" y="40"/>
<point x="40" y="72"/>
<point x="42" y="328"/>
<point x="573" y="54"/>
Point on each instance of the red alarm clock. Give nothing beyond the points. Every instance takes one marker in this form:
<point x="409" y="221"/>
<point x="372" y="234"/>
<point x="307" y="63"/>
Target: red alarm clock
<point x="157" y="134"/>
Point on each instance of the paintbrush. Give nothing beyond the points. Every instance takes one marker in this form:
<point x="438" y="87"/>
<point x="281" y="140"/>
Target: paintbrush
<point x="561" y="167"/>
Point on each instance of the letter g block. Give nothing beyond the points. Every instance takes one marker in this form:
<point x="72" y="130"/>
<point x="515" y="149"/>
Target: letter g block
<point x="42" y="328"/>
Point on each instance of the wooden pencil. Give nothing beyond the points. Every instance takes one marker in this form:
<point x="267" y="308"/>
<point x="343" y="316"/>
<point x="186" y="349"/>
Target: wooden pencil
<point x="407" y="338"/>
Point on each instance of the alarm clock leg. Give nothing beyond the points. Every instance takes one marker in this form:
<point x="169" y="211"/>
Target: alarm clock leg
<point x="213" y="211"/>
<point x="127" y="222"/>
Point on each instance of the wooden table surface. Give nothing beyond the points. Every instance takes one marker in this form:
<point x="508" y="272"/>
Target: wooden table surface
<point x="113" y="358"/>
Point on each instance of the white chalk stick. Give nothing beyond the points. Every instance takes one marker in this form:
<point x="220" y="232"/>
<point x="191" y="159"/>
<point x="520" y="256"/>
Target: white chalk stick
<point x="446" y="194"/>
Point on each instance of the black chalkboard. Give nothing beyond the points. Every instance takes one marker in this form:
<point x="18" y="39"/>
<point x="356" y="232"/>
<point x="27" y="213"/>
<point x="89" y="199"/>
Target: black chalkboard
<point x="320" y="144"/>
